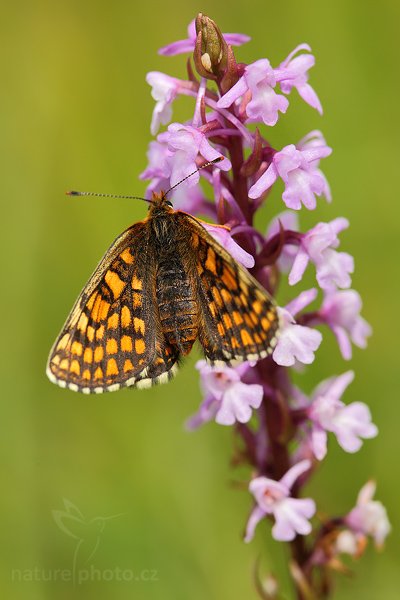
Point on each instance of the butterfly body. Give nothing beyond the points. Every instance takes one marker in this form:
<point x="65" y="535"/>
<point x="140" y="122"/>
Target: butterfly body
<point x="164" y="283"/>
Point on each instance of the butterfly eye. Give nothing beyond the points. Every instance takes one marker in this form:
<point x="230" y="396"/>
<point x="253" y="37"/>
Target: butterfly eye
<point x="168" y="203"/>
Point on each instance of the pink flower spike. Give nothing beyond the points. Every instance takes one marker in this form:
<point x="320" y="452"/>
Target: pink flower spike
<point x="224" y="237"/>
<point x="293" y="72"/>
<point x="298" y="168"/>
<point x="273" y="497"/>
<point x="265" y="103"/>
<point x="227" y="398"/>
<point x="341" y="312"/>
<point x="187" y="45"/>
<point x="350" y="424"/>
<point x="369" y="517"/>
<point x="296" y="342"/>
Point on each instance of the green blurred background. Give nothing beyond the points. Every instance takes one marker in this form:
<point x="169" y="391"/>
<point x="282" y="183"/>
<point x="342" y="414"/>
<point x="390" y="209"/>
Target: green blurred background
<point x="75" y="112"/>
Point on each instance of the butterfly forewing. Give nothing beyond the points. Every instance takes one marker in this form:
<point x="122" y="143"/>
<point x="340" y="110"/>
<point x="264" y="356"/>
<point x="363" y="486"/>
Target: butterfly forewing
<point x="110" y="338"/>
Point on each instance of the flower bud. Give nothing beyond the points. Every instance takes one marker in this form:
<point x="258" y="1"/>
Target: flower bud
<point x="210" y="53"/>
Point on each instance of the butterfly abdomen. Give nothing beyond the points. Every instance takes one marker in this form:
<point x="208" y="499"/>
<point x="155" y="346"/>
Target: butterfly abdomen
<point x="176" y="300"/>
<point x="176" y="304"/>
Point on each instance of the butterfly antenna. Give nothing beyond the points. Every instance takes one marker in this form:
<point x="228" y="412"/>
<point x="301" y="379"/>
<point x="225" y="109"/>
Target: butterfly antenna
<point x="99" y="195"/>
<point x="207" y="164"/>
<point x="75" y="193"/>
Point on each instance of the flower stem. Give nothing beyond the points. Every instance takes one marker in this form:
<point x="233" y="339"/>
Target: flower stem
<point x="239" y="182"/>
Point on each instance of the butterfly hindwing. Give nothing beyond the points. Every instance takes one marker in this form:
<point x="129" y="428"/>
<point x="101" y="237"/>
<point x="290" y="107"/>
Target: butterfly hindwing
<point x="239" y="319"/>
<point x="111" y="338"/>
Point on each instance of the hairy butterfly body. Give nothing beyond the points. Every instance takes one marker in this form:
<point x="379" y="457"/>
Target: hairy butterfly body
<point x="164" y="283"/>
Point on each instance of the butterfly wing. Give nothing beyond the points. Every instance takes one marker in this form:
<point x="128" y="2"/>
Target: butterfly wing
<point x="112" y="338"/>
<point x="238" y="318"/>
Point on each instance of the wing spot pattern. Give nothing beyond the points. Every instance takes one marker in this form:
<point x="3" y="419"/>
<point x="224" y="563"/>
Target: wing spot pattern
<point x="221" y="329"/>
<point x="246" y="338"/>
<point x="115" y="284"/>
<point x="265" y="324"/>
<point x="98" y="374"/>
<point x="63" y="343"/>
<point x="234" y="343"/>
<point x="126" y="344"/>
<point x="217" y="297"/>
<point x="128" y="366"/>
<point x="100" y="333"/>
<point x="125" y="316"/>
<point x="237" y="317"/>
<point x="112" y="368"/>
<point x="229" y="279"/>
<point x="111" y="346"/>
<point x="227" y="321"/>
<point x="75" y="367"/>
<point x="211" y="261"/>
<point x="138" y="325"/>
<point x="90" y="302"/>
<point x="257" y="307"/>
<point x="64" y="364"/>
<point x="77" y="348"/>
<point x="227" y="297"/>
<point x="137" y="284"/>
<point x="113" y="321"/>
<point x="127" y="256"/>
<point x="83" y="322"/>
<point x="88" y="355"/>
<point x="98" y="354"/>
<point x="140" y="346"/>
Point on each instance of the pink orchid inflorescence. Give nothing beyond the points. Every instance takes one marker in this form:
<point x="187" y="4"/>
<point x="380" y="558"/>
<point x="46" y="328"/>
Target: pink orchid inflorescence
<point x="283" y="433"/>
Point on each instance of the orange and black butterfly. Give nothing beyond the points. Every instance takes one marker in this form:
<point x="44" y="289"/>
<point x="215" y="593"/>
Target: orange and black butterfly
<point x="163" y="283"/>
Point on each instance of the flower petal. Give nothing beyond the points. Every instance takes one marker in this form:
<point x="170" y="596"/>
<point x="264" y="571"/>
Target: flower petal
<point x="291" y="520"/>
<point x="309" y="95"/>
<point x="296" y="342"/>
<point x="319" y="439"/>
<point x="299" y="266"/>
<point x="264" y="182"/>
<point x="224" y="237"/>
<point x="294" y="473"/>
<point x="233" y="94"/>
<point x="301" y="301"/>
<point x="255" y="517"/>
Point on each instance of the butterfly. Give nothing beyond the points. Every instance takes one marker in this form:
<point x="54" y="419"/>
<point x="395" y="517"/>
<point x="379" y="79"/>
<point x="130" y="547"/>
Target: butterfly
<point x="164" y="283"/>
